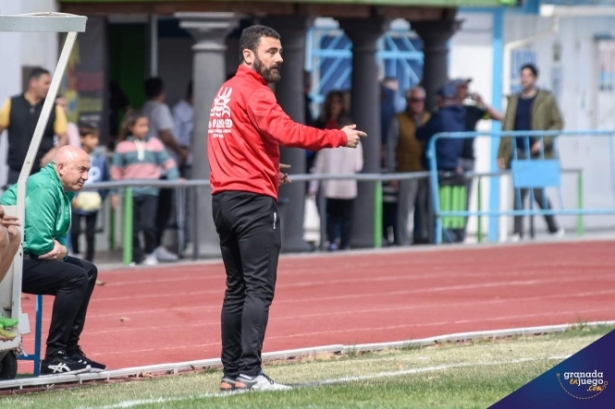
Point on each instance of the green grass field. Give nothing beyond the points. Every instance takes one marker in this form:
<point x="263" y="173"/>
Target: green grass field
<point x="472" y="375"/>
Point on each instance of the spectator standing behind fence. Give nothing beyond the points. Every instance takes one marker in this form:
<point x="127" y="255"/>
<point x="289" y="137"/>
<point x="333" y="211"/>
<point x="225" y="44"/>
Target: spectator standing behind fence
<point x="476" y="109"/>
<point x="19" y="116"/>
<point x="450" y="117"/>
<point x="140" y="156"/>
<point x="536" y="110"/>
<point x="340" y="194"/>
<point x="86" y="205"/>
<point x="161" y="126"/>
<point x="404" y="153"/>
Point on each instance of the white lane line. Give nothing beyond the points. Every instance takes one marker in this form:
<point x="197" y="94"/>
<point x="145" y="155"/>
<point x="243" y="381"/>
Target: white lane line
<point x="346" y="379"/>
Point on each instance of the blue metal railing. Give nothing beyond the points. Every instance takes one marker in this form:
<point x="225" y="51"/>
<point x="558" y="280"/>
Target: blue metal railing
<point x="435" y="174"/>
<point x="38" y="334"/>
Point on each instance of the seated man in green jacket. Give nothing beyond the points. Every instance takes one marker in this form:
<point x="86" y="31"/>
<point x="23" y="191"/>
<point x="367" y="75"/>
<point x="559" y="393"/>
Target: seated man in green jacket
<point x="46" y="267"/>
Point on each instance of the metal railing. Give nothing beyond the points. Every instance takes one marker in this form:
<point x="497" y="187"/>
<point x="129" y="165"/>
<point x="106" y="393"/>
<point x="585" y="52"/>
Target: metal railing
<point x="580" y="211"/>
<point x="128" y="186"/>
<point x="378" y="178"/>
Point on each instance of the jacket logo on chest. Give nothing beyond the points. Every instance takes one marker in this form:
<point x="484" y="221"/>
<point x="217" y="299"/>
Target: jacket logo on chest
<point x="219" y="116"/>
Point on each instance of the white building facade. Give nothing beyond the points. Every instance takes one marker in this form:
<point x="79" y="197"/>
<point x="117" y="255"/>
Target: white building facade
<point x="575" y="54"/>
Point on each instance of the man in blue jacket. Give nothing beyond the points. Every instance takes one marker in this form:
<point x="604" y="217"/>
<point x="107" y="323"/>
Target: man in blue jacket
<point x="450" y="117"/>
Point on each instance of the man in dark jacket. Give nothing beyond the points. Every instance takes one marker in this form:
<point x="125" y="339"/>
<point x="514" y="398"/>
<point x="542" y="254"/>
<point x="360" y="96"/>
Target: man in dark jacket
<point x="19" y="116"/>
<point x="450" y="117"/>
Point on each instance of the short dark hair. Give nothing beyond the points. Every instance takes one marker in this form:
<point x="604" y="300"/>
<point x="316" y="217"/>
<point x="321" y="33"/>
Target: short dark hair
<point x="86" y="128"/>
<point x="37" y="72"/>
<point x="251" y="36"/>
<point x="530" y="67"/>
<point x="153" y="87"/>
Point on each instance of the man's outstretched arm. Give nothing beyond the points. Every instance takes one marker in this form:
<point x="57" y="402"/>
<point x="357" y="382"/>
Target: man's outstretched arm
<point x="273" y="122"/>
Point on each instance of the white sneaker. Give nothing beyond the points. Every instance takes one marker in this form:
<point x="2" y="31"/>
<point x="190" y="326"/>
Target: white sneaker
<point x="515" y="238"/>
<point x="260" y="382"/>
<point x="560" y="232"/>
<point x="150" y="260"/>
<point x="165" y="255"/>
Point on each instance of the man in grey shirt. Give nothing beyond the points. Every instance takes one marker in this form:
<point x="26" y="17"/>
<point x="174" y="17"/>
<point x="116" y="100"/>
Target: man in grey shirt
<point x="161" y="126"/>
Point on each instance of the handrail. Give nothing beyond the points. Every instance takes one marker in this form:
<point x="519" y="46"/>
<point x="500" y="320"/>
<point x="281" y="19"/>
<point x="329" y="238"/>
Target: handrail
<point x="359" y="177"/>
<point x="579" y="212"/>
<point x="129" y="185"/>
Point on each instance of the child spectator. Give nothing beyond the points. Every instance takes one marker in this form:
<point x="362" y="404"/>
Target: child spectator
<point x="86" y="205"/>
<point x="139" y="156"/>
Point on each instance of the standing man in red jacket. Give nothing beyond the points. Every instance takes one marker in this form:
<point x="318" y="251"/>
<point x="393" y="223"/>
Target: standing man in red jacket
<point x="246" y="129"/>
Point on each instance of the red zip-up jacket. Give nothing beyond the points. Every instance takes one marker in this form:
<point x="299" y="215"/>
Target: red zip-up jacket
<point x="247" y="128"/>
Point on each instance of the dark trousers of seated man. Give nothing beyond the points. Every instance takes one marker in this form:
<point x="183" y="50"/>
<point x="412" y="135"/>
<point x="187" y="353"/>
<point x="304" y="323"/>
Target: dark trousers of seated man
<point x="71" y="282"/>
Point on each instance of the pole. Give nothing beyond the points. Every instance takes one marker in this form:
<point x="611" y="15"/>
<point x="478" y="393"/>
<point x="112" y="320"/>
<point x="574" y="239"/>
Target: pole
<point x="30" y="156"/>
<point x="378" y="215"/>
<point x="153" y="39"/>
<point x="496" y="100"/>
<point x="38" y="334"/>
<point x="580" y="226"/>
<point x="112" y="230"/>
<point x="128" y="220"/>
<point x="195" y="222"/>
<point x="479" y="207"/>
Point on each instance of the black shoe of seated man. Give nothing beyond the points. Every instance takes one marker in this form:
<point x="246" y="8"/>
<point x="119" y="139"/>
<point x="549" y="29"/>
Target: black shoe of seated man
<point x="79" y="356"/>
<point x="60" y="363"/>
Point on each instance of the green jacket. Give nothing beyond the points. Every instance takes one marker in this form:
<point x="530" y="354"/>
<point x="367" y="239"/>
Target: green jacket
<point x="48" y="210"/>
<point x="546" y="116"/>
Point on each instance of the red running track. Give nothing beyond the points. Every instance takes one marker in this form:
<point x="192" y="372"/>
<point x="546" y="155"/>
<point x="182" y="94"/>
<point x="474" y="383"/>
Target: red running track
<point x="169" y="314"/>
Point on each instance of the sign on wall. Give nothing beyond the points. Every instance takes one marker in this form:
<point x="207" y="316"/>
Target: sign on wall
<point x="605" y="103"/>
<point x="84" y="84"/>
